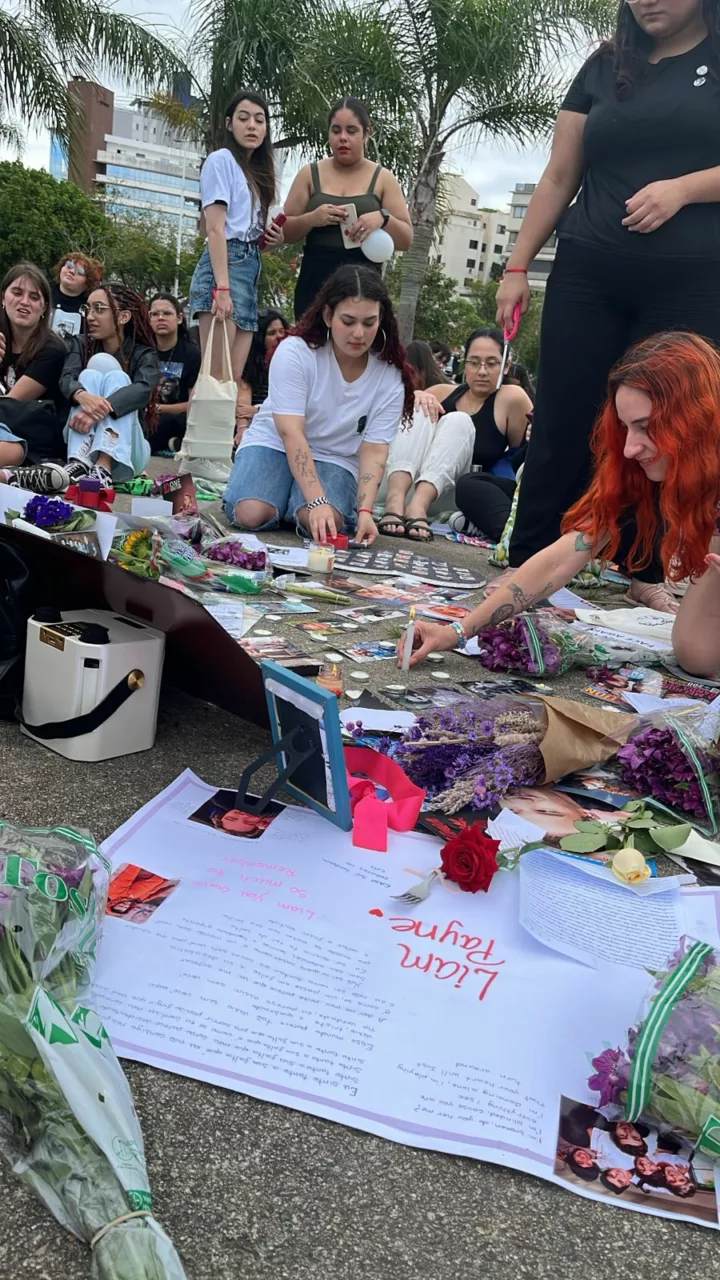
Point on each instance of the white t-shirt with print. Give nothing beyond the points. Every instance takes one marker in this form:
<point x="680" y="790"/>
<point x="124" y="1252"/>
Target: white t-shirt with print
<point x="338" y="415"/>
<point x="222" y="181"/>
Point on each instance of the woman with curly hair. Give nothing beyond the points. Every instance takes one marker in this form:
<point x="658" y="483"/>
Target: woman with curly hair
<point x="109" y="379"/>
<point x="638" y="250"/>
<point x="653" y="500"/>
<point x="339" y="386"/>
<point x="76" y="276"/>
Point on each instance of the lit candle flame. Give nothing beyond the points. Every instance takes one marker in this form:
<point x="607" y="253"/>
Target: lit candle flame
<point x="412" y="612"/>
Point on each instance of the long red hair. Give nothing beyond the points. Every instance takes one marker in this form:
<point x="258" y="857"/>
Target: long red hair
<point x="680" y="372"/>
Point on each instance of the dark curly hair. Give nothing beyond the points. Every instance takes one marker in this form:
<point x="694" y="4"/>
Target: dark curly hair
<point x="138" y="329"/>
<point x="360" y="282"/>
<point x="631" y="45"/>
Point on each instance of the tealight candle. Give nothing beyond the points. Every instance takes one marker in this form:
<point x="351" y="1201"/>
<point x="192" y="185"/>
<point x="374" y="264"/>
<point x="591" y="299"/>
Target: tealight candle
<point x="439" y="675"/>
<point x="330" y="677"/>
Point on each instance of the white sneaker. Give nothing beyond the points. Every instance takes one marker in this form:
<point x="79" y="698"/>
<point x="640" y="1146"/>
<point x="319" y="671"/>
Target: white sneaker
<point x="459" y="524"/>
<point x="205" y="469"/>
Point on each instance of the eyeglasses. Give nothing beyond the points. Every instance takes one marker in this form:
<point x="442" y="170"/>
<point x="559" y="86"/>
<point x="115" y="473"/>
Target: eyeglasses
<point x="161" y="315"/>
<point x="491" y="365"/>
<point x="94" y="308"/>
<point x="77" y="267"/>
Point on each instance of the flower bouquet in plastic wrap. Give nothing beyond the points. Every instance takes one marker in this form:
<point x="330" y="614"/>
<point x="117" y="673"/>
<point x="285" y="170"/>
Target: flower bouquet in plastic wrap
<point x="543" y="644"/>
<point x="67" y="1121"/>
<point x="673" y="760"/>
<point x="475" y="752"/>
<point x="668" y="1074"/>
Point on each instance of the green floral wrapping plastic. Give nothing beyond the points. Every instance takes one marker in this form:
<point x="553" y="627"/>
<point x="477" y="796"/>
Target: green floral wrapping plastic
<point x="669" y="1072"/>
<point x="67" y="1121"/>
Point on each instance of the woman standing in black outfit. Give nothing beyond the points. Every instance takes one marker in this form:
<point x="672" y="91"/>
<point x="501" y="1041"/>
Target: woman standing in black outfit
<point x="639" y="250"/>
<point x="318" y="201"/>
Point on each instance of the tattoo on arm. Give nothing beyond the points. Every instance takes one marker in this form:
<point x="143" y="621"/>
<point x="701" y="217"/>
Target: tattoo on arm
<point x="304" y="464"/>
<point x="582" y="544"/>
<point x="524" y="600"/>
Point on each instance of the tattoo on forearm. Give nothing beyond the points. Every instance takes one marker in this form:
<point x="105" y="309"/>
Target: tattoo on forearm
<point x="582" y="544"/>
<point x="304" y="464"/>
<point x="524" y="600"/>
<point x="502" y="612"/>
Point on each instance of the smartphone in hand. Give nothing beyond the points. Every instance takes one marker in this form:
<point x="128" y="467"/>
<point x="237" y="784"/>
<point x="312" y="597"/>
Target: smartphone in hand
<point x="349" y="221"/>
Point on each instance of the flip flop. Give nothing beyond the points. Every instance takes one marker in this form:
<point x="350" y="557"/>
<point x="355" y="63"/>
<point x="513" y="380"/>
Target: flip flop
<point x="392" y="518"/>
<point x="422" y="523"/>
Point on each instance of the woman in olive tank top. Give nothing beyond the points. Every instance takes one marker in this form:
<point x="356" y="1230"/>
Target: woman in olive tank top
<point x="318" y="202"/>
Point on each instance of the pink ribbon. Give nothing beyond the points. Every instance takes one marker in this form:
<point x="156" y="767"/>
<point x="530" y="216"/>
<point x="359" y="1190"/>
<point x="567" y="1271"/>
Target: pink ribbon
<point x="371" y="815"/>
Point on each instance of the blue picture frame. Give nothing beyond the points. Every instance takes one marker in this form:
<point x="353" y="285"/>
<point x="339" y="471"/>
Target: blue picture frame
<point x="320" y="782"/>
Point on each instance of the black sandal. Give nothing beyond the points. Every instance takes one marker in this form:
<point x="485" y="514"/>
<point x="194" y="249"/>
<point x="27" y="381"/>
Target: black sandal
<point x="423" y="523"/>
<point x="392" y="518"/>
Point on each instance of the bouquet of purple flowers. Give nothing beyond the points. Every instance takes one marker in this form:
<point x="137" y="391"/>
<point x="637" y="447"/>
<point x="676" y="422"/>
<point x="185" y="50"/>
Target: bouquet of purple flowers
<point x="669" y="1072"/>
<point x="540" y="644"/>
<point x="475" y="752"/>
<point x="673" y="761"/>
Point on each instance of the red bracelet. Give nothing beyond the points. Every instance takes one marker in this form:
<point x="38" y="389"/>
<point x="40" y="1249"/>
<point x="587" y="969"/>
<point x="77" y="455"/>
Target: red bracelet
<point x="516" y="271"/>
<point x="368" y="510"/>
<point x="221" y="288"/>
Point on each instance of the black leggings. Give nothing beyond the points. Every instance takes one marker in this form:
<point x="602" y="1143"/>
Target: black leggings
<point x="597" y="304"/>
<point x="485" y="500"/>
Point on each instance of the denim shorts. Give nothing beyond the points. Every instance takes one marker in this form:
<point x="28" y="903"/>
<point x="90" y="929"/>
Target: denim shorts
<point x="264" y="474"/>
<point x="243" y="275"/>
<point x="7" y="437"/>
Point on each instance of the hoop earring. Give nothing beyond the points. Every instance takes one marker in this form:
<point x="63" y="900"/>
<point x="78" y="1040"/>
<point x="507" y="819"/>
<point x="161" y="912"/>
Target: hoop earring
<point x="380" y="352"/>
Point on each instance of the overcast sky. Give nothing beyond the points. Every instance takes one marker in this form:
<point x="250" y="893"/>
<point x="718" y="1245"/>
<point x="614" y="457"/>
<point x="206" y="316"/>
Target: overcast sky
<point x="492" y="170"/>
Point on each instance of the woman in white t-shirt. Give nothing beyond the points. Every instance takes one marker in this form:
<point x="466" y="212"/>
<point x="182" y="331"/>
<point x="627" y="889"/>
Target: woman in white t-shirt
<point x="339" y="385"/>
<point x="237" y="189"/>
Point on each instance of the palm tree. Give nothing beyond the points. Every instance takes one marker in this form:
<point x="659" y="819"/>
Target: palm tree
<point x="450" y="72"/>
<point x="46" y="42"/>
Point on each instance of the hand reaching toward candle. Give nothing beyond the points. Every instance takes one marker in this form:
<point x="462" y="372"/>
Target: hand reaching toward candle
<point x="429" y="637"/>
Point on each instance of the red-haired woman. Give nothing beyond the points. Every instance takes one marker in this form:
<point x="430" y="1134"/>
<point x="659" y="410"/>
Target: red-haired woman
<point x="653" y="500"/>
<point x="109" y="378"/>
<point x="339" y="386"/>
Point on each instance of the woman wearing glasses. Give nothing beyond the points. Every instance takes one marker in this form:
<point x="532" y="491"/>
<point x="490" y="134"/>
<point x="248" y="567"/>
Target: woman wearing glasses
<point x="109" y="379"/>
<point x="179" y="368"/>
<point x="76" y="276"/>
<point x="454" y="428"/>
<point x="638" y="250"/>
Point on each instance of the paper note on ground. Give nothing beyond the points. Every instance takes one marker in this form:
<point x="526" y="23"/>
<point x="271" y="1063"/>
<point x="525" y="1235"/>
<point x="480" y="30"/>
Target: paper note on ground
<point x="281" y="967"/>
<point x="631" y="622"/>
<point x="644" y="703"/>
<point x="567" y="599"/>
<point x="594" y="922"/>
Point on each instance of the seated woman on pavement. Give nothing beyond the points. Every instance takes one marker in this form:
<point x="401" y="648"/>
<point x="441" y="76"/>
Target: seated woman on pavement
<point x="455" y="428"/>
<point x="179" y="364"/>
<point x="339" y="386"/>
<point x="655" y="493"/>
<point x="109" y="379"/>
<point x="31" y="362"/>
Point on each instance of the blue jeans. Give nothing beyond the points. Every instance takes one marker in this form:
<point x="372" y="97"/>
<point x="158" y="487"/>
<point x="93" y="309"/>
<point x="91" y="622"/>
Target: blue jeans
<point x="121" y="438"/>
<point x="243" y="276"/>
<point x="263" y="475"/>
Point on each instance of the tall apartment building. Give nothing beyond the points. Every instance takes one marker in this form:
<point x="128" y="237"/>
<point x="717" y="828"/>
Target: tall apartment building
<point x="471" y="240"/>
<point x="132" y="158"/>
<point x="539" y="268"/>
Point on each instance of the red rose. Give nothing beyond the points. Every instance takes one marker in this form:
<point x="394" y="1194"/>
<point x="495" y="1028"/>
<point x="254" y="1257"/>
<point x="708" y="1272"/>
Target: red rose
<point x="470" y="859"/>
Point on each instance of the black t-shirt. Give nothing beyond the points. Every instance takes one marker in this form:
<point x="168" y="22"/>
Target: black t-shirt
<point x="44" y="367"/>
<point x="67" y="320"/>
<point x="668" y="127"/>
<point x="179" y="368"/>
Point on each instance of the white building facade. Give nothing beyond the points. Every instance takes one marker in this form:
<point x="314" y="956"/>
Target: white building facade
<point x="541" y="265"/>
<point x="471" y="240"/>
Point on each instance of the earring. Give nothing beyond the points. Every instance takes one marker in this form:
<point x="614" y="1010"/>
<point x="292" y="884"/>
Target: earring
<point x="329" y="334"/>
<point x="379" y="353"/>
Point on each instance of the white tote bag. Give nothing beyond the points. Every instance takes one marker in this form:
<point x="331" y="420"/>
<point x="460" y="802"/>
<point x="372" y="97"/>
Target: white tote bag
<point x="211" y="417"/>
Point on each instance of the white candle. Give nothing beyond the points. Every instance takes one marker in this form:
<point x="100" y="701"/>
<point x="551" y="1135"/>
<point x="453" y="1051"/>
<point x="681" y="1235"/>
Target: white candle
<point x="409" y="638"/>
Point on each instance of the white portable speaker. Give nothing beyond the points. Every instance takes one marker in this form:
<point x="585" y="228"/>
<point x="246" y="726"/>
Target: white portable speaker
<point x="92" y="683"/>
